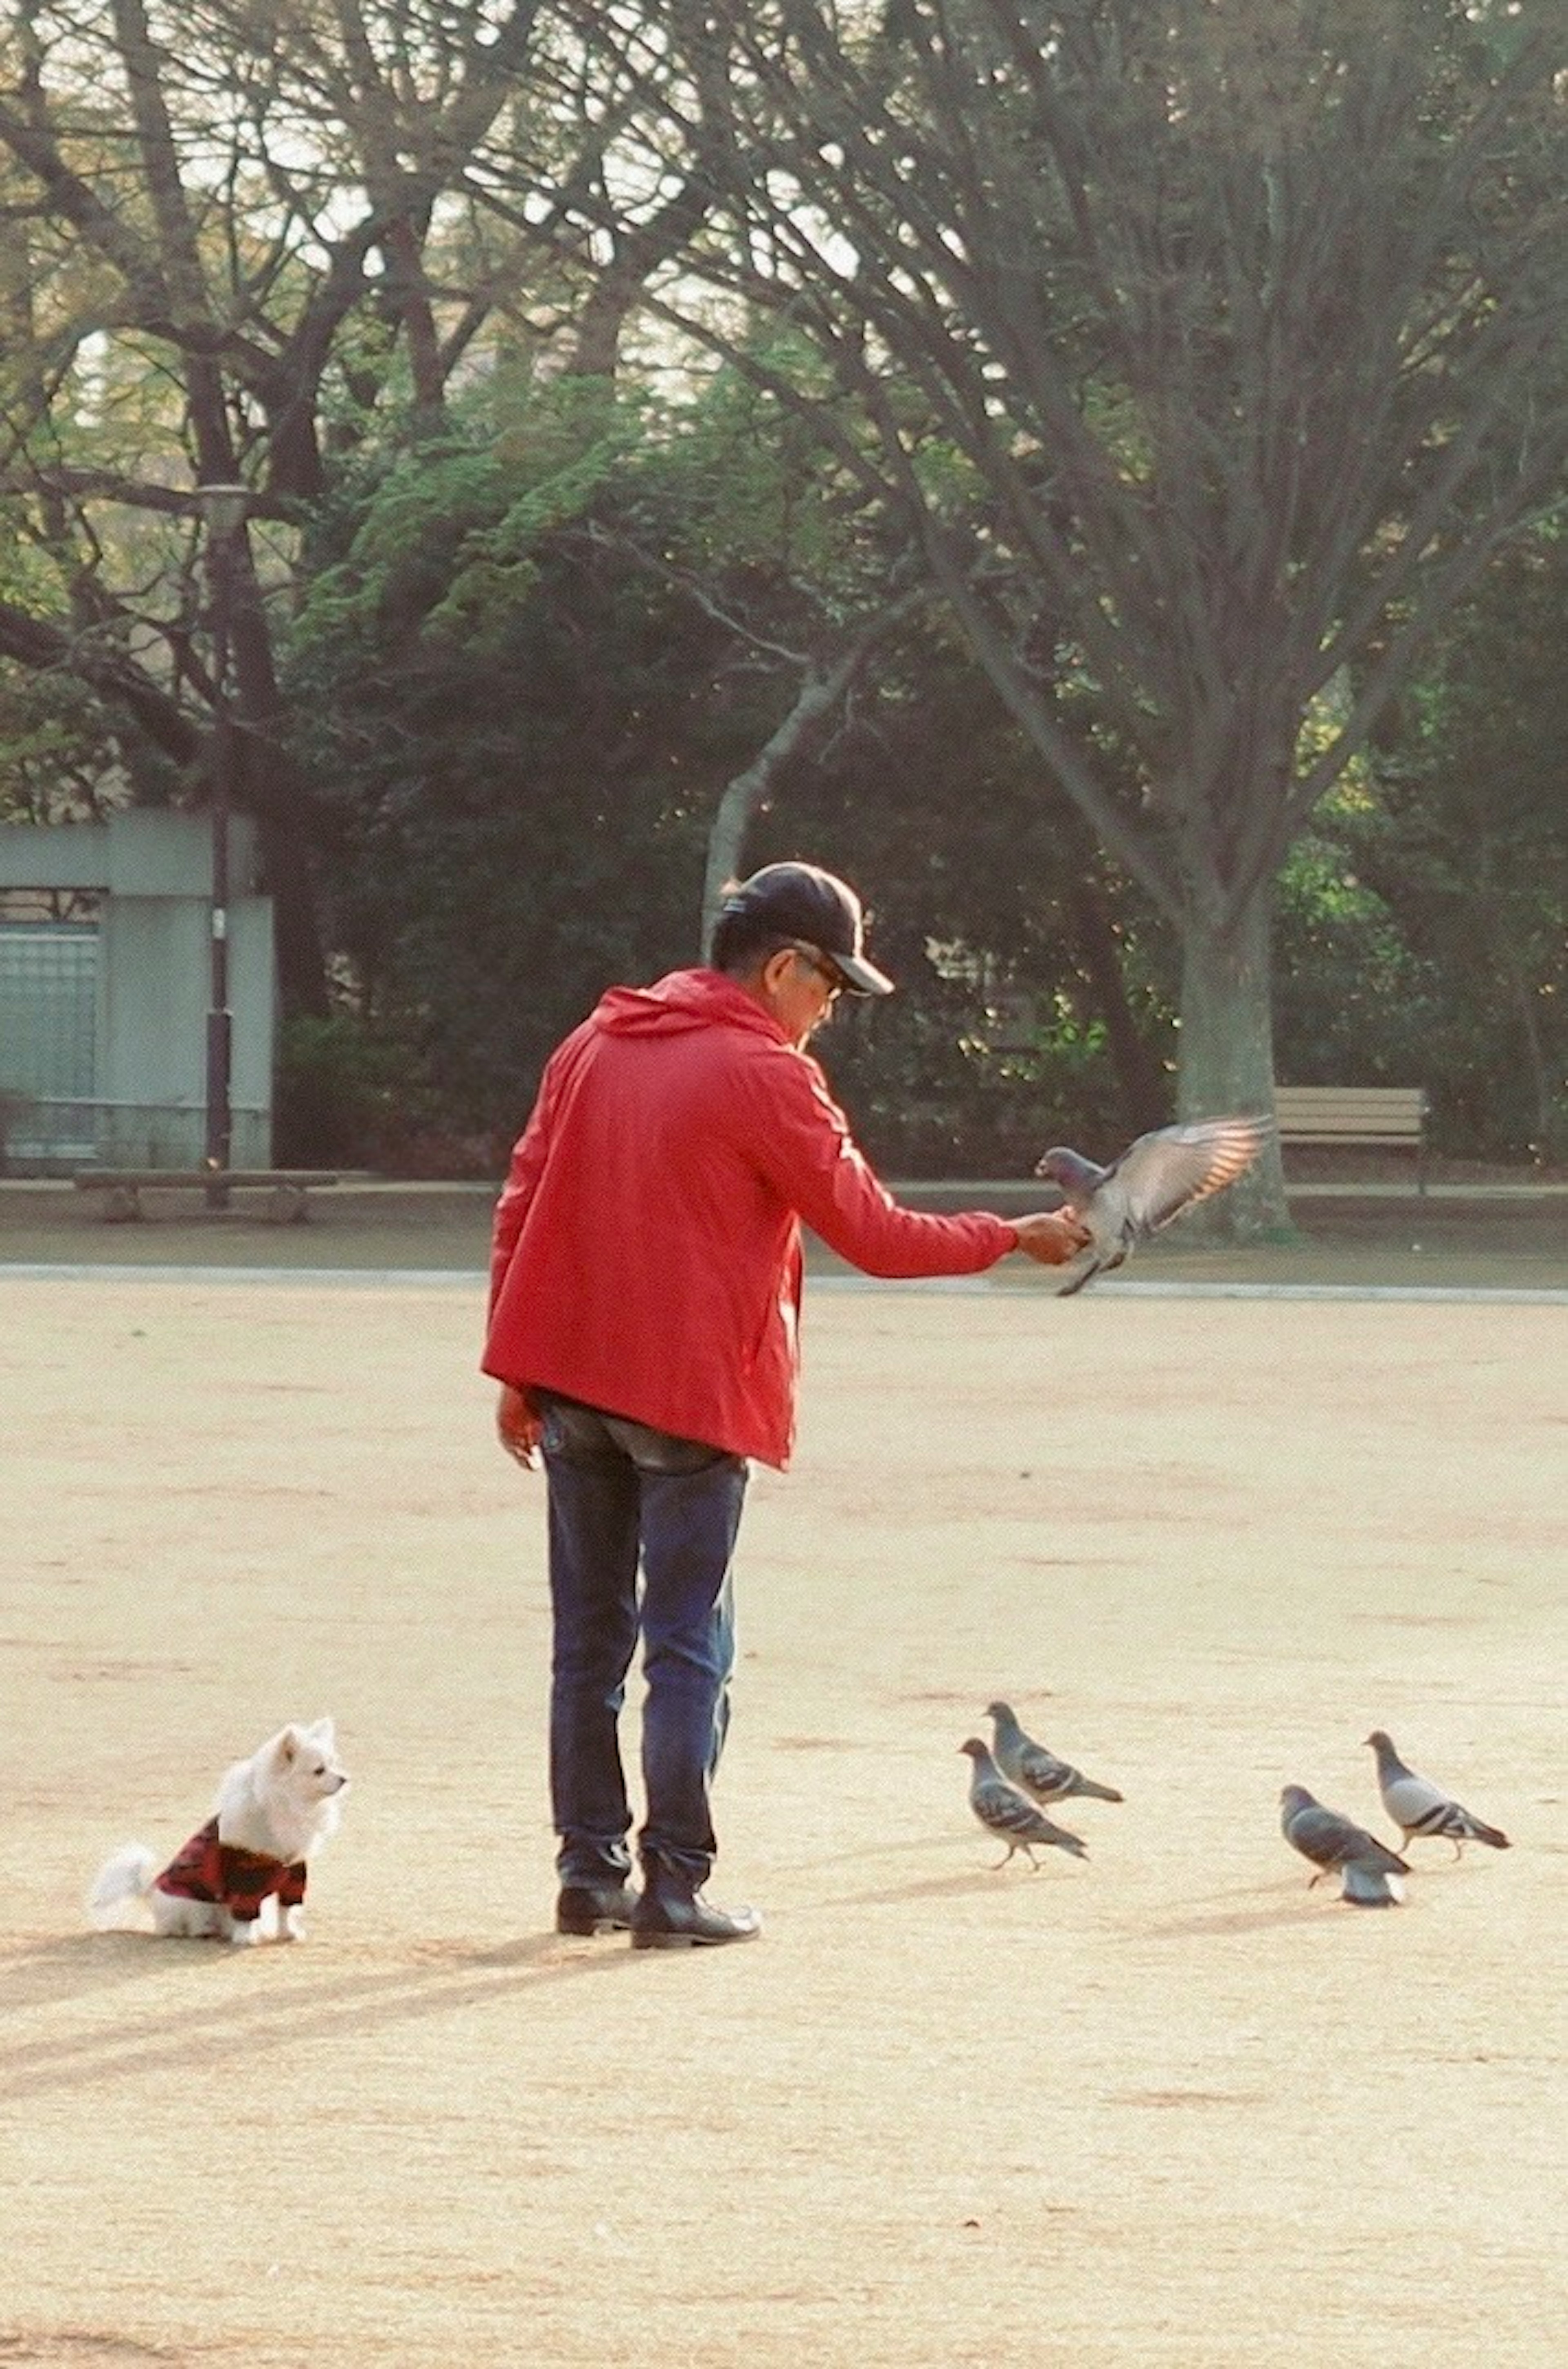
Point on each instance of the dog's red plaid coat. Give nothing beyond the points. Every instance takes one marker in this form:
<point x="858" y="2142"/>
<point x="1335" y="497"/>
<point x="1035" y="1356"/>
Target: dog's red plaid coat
<point x="230" y="1878"/>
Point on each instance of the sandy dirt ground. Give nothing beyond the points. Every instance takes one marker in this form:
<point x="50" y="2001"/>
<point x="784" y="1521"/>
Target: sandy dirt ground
<point x="1167" y="2106"/>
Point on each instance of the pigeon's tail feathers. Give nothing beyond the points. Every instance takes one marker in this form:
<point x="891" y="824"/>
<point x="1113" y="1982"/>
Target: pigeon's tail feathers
<point x="1044" y="1834"/>
<point x="1459" y="1824"/>
<point x="1087" y="1786"/>
<point x="1419" y="1807"/>
<point x="1370" y="1887"/>
<point x="125" y="1877"/>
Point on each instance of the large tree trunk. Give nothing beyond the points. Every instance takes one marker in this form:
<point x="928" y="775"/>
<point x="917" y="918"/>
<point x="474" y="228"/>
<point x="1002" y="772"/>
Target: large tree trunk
<point x="1227" y="1058"/>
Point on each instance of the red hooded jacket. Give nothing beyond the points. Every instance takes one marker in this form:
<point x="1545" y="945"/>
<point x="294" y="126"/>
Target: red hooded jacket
<point x="647" y="1248"/>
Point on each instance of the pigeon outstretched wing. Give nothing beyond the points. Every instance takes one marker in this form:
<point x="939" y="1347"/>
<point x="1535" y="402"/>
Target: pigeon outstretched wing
<point x="1156" y="1178"/>
<point x="1170" y="1169"/>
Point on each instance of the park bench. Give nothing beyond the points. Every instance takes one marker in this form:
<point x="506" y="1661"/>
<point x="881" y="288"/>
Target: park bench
<point x="1374" y="1115"/>
<point x="287" y="1189"/>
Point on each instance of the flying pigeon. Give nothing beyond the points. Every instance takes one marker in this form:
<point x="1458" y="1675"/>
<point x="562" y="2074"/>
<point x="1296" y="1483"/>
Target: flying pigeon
<point x="1155" y="1179"/>
<point x="1035" y="1770"/>
<point x="1003" y="1810"/>
<point x="1371" y="1869"/>
<point x="1417" y="1807"/>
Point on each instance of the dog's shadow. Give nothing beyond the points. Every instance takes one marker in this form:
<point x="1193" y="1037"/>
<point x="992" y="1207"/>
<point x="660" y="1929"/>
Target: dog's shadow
<point x="438" y="1980"/>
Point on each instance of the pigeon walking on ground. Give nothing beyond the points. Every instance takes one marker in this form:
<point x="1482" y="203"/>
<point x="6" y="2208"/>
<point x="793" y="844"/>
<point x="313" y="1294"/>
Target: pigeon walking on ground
<point x="1002" y="1810"/>
<point x="1371" y="1872"/>
<point x="1035" y="1770"/>
<point x="1155" y="1179"/>
<point x="1419" y="1807"/>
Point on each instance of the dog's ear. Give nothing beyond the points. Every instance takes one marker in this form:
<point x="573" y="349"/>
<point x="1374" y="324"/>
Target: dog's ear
<point x="322" y="1732"/>
<point x="286" y="1750"/>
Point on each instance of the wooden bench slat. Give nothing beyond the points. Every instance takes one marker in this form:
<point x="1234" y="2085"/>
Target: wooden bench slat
<point x="1341" y="1105"/>
<point x="187" y="1179"/>
<point x="1380" y="1115"/>
<point x="1347" y="1114"/>
<point x="1348" y="1122"/>
<point x="1398" y="1101"/>
<point x="288" y="1189"/>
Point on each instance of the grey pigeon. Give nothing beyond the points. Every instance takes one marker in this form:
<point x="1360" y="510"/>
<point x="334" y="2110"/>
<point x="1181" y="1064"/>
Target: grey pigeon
<point x="1371" y="1872"/>
<point x="1035" y="1770"/>
<point x="1155" y="1179"/>
<point x="1004" y="1812"/>
<point x="1417" y="1807"/>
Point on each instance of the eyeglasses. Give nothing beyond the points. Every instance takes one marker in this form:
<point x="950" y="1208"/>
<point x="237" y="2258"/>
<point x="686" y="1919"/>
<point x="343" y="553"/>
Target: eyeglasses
<point x="816" y="961"/>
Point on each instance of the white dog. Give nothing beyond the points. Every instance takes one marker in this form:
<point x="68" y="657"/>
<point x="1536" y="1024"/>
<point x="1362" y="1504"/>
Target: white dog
<point x="244" y="1873"/>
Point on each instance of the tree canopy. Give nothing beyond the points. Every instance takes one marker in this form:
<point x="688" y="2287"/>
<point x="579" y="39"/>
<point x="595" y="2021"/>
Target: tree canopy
<point x="1068" y="455"/>
<point x="1210" y="351"/>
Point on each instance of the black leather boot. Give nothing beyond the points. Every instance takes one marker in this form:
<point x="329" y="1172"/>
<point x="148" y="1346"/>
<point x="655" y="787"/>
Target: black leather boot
<point x="672" y="1915"/>
<point x="595" y="1909"/>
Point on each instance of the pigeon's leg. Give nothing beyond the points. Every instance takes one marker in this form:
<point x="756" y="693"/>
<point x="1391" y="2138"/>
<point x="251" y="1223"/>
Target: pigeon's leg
<point x="1003" y="1859"/>
<point x="1313" y="1880"/>
<point x="1459" y="1846"/>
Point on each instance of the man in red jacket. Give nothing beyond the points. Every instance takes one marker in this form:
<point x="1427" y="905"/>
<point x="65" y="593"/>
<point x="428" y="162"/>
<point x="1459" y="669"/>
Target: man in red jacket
<point x="645" y="1297"/>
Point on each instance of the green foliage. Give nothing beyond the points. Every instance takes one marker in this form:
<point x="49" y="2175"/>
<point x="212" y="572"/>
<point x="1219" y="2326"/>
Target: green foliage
<point x="517" y="722"/>
<point x="1354" y="1003"/>
<point x="976" y="872"/>
<point x="58" y="747"/>
<point x="518" y="811"/>
<point x="1422" y="933"/>
<point x="335" y="1093"/>
<point x="1475" y="859"/>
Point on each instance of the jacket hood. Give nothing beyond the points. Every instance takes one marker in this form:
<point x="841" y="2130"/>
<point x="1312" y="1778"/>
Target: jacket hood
<point x="684" y="1000"/>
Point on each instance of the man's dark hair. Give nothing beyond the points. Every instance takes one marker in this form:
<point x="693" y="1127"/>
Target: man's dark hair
<point x="741" y="942"/>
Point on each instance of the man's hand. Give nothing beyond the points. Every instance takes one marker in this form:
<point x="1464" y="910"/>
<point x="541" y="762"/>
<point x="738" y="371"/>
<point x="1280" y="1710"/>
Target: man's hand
<point x="1054" y="1237"/>
<point x="520" y="1427"/>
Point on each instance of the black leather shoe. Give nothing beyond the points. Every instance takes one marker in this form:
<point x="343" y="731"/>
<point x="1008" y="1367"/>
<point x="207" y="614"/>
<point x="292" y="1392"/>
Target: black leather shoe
<point x="595" y="1909"/>
<point x="684" y="1920"/>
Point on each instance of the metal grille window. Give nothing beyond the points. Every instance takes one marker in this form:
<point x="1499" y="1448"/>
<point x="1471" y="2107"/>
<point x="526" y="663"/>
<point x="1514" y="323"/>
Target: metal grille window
<point x="47" y="983"/>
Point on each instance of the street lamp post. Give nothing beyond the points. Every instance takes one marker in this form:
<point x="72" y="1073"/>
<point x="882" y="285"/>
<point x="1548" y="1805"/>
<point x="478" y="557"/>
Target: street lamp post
<point x="222" y="513"/>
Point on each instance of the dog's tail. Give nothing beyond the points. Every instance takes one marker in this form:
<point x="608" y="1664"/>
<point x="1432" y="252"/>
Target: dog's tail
<point x="127" y="1876"/>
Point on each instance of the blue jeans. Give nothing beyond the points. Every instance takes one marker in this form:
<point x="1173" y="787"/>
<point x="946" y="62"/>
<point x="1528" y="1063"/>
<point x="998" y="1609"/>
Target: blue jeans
<point x="622" y="1496"/>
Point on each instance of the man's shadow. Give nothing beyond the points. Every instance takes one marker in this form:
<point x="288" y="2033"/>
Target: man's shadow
<point x="231" y="2008"/>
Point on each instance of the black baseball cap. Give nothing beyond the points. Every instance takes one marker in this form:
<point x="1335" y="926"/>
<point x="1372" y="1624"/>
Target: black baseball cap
<point x="802" y="901"/>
